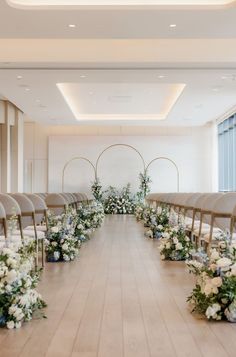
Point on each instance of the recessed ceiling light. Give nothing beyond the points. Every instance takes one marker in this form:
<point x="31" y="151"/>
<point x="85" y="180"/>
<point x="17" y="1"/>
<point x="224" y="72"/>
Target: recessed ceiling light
<point x="82" y="76"/>
<point x="216" y="89"/>
<point x="173" y="26"/>
<point x="223" y="77"/>
<point x="72" y="26"/>
<point x="91" y="93"/>
<point x="161" y="76"/>
<point x="19" y="77"/>
<point x="27" y="89"/>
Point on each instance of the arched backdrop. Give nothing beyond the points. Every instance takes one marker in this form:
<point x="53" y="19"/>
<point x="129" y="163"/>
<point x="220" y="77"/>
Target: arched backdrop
<point x="111" y="172"/>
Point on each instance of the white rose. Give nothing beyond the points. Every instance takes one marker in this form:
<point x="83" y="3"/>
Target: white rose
<point x="55" y="229"/>
<point x="179" y="246"/>
<point x="214" y="255"/>
<point x="160" y="227"/>
<point x="166" y="235"/>
<point x="10" y="325"/>
<point x="224" y="263"/>
<point x="212" y="310"/>
<point x="217" y="282"/>
<point x="56" y="255"/>
<point x="163" y="257"/>
<point x="18" y="324"/>
<point x="187" y="239"/>
<point x="11" y="276"/>
<point x="175" y="240"/>
<point x="65" y="246"/>
<point x="168" y="245"/>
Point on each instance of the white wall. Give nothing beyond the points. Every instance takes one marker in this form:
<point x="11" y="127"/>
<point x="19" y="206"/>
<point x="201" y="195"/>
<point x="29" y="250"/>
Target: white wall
<point x="47" y="149"/>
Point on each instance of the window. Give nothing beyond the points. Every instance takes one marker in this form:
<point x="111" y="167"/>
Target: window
<point x="227" y="154"/>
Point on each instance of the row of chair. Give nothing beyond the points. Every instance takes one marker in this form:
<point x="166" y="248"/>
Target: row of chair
<point x="30" y="211"/>
<point x="206" y="215"/>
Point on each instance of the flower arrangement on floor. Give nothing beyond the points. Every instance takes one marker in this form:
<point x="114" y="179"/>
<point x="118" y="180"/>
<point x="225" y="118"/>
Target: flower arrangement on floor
<point x="175" y="244"/>
<point x="139" y="211"/>
<point x="89" y="219"/>
<point x="19" y="300"/>
<point x="61" y="243"/>
<point x="214" y="295"/>
<point x="157" y="221"/>
<point x="119" y="202"/>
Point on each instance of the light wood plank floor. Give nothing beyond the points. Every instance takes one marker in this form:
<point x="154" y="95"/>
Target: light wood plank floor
<point x="118" y="300"/>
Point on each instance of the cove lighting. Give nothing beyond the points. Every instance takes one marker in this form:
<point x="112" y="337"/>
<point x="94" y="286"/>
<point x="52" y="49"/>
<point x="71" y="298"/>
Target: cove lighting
<point x="170" y="94"/>
<point x="66" y="3"/>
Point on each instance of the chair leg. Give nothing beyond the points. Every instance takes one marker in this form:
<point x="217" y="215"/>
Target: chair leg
<point x="36" y="241"/>
<point x="43" y="254"/>
<point x="211" y="234"/>
<point x="20" y="227"/>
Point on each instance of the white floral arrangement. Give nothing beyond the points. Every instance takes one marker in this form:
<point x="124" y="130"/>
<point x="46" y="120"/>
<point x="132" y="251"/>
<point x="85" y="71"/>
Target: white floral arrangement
<point x="175" y="244"/>
<point x="61" y="243"/>
<point x="119" y="202"/>
<point x="19" y="300"/>
<point x="90" y="218"/>
<point x="214" y="294"/>
<point x="139" y="211"/>
<point x="157" y="221"/>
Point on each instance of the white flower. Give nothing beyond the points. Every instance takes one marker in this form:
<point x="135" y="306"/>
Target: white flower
<point x="11" y="276"/>
<point x="10" y="325"/>
<point x="55" y="229"/>
<point x="187" y="239"/>
<point x="179" y="246"/>
<point x="175" y="240"/>
<point x="224" y="263"/>
<point x="18" y="324"/>
<point x="168" y="245"/>
<point x="217" y="282"/>
<point x="214" y="255"/>
<point x="65" y="246"/>
<point x="233" y="270"/>
<point x="166" y="235"/>
<point x="163" y="257"/>
<point x="212" y="310"/>
<point x="160" y="227"/>
<point x="56" y="255"/>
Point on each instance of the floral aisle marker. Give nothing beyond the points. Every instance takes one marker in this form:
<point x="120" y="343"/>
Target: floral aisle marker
<point x="89" y="219"/>
<point x="156" y="220"/>
<point x="117" y="202"/>
<point x="62" y="244"/>
<point x="175" y="244"/>
<point x="19" y="300"/>
<point x="214" y="295"/>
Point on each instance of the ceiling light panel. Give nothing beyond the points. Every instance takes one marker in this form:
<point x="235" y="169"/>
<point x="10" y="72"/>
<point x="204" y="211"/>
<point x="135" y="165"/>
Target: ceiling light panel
<point x="66" y="3"/>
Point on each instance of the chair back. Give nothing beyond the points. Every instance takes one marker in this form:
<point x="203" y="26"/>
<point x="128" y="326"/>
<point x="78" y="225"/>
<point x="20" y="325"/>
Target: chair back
<point x="56" y="202"/>
<point x="3" y="221"/>
<point x="40" y="207"/>
<point x="26" y="207"/>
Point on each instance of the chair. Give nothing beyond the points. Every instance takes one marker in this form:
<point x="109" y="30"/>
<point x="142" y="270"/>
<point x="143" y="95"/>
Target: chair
<point x="56" y="202"/>
<point x="27" y="217"/>
<point x="222" y="216"/>
<point x="11" y="208"/>
<point x="40" y="208"/>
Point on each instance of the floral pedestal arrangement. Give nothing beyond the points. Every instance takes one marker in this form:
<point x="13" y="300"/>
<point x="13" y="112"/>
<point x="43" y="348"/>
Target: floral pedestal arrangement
<point x="214" y="295"/>
<point x="19" y="300"/>
<point x="175" y="244"/>
<point x="119" y="202"/>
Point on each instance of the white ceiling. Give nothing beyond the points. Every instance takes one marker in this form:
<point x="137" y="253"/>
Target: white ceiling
<point x="129" y="59"/>
<point x="208" y="94"/>
<point x="118" y="23"/>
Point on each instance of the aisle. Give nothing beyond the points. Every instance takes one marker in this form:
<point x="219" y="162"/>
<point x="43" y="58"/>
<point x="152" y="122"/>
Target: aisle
<point x="118" y="300"/>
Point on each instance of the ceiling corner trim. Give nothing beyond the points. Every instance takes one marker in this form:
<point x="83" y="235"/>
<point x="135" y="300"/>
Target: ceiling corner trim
<point x="64" y="4"/>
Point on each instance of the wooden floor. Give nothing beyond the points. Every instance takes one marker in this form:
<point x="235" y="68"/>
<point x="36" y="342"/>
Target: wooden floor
<point x="118" y="300"/>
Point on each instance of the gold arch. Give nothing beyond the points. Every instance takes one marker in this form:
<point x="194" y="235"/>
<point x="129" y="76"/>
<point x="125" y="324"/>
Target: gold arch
<point x="165" y="158"/>
<point x="110" y="147"/>
<point x="67" y="164"/>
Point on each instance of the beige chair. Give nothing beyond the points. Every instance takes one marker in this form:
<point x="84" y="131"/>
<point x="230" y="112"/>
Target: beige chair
<point x="56" y="202"/>
<point x="27" y="218"/>
<point x="11" y="208"/>
<point x="40" y="208"/>
<point x="205" y="217"/>
<point x="221" y="216"/>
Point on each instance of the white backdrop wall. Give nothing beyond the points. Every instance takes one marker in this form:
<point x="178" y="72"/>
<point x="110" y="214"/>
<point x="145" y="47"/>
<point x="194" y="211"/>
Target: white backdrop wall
<point x="47" y="150"/>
